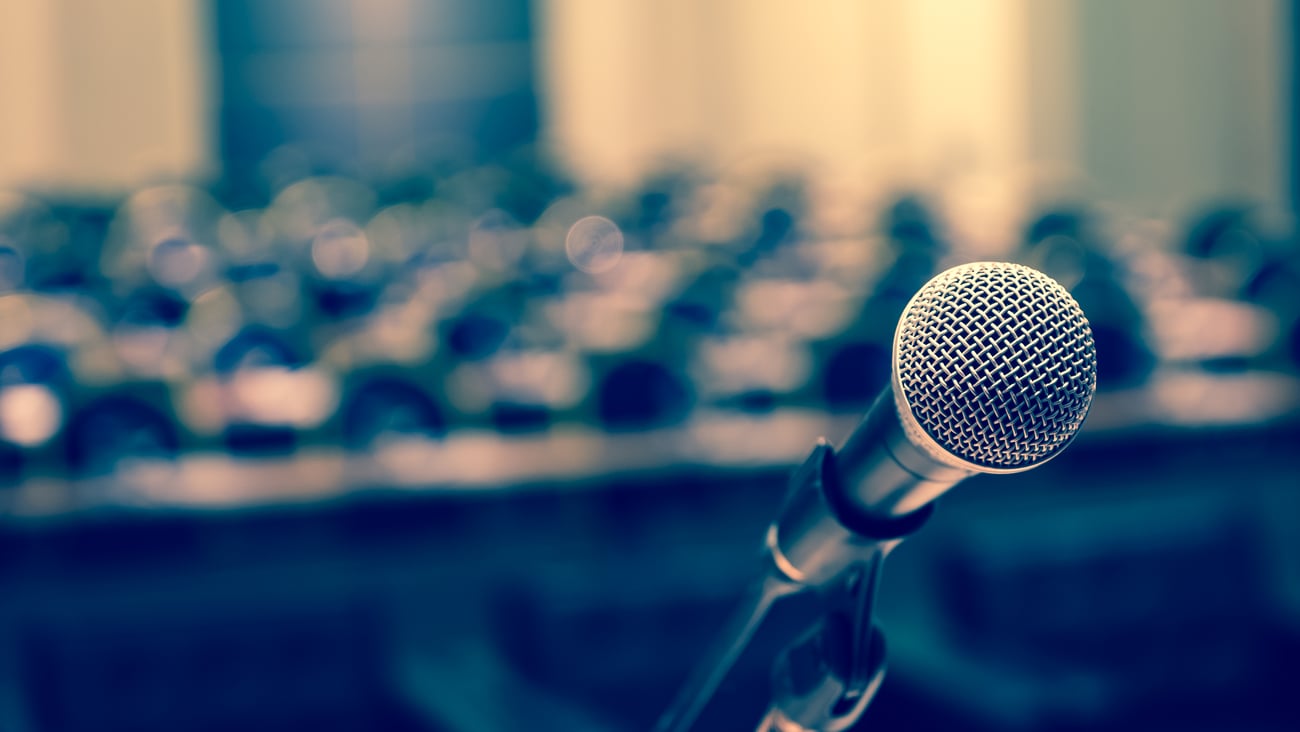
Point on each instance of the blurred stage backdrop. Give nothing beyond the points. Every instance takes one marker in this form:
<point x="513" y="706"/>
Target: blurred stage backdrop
<point x="438" y="364"/>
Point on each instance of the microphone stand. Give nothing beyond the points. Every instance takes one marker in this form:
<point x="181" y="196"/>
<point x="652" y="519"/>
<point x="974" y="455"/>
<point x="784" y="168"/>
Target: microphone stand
<point x="825" y="678"/>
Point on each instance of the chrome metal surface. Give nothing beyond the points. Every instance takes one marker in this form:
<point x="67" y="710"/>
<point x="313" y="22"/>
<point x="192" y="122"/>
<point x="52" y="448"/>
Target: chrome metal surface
<point x="995" y="367"/>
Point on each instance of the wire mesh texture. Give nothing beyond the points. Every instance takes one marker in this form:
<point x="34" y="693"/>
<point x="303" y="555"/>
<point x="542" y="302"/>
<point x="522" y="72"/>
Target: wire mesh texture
<point x="996" y="363"/>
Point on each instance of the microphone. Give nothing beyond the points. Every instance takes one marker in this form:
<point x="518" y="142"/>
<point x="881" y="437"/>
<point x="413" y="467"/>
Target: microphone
<point x="994" y="370"/>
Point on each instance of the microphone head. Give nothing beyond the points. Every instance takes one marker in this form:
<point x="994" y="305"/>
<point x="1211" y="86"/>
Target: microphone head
<point x="994" y="367"/>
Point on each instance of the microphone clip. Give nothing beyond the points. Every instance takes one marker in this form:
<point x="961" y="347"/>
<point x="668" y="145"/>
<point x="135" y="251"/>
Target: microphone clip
<point x="826" y="677"/>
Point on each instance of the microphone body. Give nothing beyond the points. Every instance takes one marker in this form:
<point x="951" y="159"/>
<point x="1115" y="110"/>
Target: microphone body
<point x="994" y="371"/>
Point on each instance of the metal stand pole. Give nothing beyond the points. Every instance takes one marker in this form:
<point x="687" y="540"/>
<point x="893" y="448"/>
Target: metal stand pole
<point x="825" y="678"/>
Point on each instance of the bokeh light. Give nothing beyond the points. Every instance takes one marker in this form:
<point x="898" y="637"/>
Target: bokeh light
<point x="594" y="244"/>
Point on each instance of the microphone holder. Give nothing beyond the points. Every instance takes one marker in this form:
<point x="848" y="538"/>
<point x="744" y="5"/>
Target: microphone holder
<point x="826" y="678"/>
<point x="823" y="679"/>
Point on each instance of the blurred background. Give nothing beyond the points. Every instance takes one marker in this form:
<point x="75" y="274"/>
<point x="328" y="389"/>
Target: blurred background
<point x="438" y="364"/>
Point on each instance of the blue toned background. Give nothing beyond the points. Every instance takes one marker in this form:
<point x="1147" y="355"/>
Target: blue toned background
<point x="439" y="365"/>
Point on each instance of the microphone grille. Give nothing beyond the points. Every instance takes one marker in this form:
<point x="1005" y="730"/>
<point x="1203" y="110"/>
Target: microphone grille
<point x="995" y="364"/>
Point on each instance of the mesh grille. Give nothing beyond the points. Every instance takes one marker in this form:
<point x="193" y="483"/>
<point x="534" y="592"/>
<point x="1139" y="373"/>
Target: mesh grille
<point x="996" y="363"/>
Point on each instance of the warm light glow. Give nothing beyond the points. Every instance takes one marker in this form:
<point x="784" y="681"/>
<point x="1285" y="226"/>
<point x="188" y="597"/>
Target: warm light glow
<point x="601" y="323"/>
<point x="1188" y="329"/>
<point x="807" y="309"/>
<point x="1002" y="104"/>
<point x="733" y="365"/>
<point x="104" y="97"/>
<point x="555" y="378"/>
<point x="30" y="414"/>
<point x="269" y="395"/>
